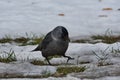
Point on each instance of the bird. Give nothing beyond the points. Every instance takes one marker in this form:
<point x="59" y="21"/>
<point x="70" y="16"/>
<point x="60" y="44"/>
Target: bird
<point x="56" y="42"/>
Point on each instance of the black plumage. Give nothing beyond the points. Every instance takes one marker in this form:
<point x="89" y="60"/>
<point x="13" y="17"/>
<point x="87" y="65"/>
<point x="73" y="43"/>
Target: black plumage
<point x="55" y="43"/>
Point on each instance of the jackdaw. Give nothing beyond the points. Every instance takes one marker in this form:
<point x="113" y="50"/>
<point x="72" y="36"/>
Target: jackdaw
<point x="55" y="43"/>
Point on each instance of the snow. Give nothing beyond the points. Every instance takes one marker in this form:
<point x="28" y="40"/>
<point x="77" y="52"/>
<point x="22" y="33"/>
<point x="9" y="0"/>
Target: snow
<point x="67" y="78"/>
<point x="25" y="69"/>
<point x="50" y="78"/>
<point x="81" y="18"/>
<point x="40" y="16"/>
<point x="82" y="53"/>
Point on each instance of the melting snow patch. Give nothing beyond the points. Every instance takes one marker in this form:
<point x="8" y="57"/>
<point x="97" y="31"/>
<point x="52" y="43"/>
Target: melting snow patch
<point x="25" y="69"/>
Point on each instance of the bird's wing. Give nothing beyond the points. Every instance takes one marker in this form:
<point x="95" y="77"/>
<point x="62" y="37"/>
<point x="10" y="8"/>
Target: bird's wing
<point x="44" y="42"/>
<point x="48" y="38"/>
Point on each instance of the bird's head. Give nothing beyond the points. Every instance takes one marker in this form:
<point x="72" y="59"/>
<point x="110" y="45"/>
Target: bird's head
<point x="61" y="32"/>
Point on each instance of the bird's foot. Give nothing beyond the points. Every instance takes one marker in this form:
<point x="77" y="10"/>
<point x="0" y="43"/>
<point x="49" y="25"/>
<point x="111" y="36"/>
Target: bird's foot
<point x="69" y="58"/>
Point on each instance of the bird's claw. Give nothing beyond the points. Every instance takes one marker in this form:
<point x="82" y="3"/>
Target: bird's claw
<point x="70" y="59"/>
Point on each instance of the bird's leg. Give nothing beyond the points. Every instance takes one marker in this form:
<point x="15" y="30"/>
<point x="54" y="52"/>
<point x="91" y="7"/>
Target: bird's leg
<point x="68" y="58"/>
<point x="48" y="61"/>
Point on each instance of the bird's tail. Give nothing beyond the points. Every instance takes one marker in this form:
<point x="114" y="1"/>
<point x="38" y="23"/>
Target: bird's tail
<point x="36" y="49"/>
<point x="32" y="51"/>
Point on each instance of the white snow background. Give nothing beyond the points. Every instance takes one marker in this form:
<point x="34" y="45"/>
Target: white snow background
<point x="40" y="16"/>
<point x="81" y="18"/>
